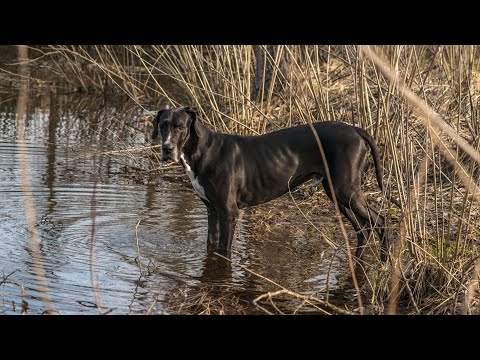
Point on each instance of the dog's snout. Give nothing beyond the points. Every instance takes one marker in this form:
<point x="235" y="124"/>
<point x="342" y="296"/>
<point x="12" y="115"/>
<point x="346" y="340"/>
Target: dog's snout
<point x="167" y="147"/>
<point x="167" y="150"/>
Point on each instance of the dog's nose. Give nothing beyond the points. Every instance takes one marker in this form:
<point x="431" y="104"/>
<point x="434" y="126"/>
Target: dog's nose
<point x="167" y="148"/>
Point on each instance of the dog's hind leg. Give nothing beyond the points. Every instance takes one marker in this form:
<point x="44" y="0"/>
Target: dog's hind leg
<point x="355" y="201"/>
<point x="357" y="223"/>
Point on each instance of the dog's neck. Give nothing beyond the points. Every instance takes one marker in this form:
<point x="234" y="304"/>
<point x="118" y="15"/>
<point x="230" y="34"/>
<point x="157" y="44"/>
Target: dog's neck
<point x="195" y="147"/>
<point x="192" y="153"/>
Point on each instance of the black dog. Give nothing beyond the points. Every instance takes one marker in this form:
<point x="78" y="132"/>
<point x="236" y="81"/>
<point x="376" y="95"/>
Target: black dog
<point x="230" y="172"/>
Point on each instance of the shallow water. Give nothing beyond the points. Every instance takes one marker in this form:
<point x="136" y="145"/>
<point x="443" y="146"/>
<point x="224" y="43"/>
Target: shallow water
<point x="125" y="202"/>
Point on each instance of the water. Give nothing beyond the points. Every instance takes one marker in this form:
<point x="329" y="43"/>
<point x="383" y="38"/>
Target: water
<point x="131" y="203"/>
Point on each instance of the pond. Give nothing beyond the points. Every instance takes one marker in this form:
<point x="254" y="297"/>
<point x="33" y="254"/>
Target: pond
<point x="147" y="226"/>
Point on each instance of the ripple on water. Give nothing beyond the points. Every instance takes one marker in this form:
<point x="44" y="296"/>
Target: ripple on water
<point x="171" y="234"/>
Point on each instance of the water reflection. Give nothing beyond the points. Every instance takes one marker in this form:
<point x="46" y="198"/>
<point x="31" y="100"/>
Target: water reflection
<point x="216" y="270"/>
<point x="62" y="135"/>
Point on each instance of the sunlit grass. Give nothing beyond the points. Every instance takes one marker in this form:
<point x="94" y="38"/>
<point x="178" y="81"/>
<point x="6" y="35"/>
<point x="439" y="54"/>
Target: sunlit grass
<point x="256" y="89"/>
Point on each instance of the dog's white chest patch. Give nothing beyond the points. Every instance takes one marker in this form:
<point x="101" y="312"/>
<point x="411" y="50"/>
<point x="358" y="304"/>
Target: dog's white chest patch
<point x="196" y="185"/>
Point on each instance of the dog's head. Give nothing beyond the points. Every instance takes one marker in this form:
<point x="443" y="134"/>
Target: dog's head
<point x="175" y="126"/>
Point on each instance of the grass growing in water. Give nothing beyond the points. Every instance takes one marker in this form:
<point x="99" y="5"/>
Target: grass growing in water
<point x="430" y="158"/>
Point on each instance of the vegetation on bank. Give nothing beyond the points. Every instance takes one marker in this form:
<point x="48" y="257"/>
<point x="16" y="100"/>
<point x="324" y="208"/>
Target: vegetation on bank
<point x="420" y="103"/>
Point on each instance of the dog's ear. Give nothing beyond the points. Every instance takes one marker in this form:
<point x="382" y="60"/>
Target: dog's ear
<point x="155" y="124"/>
<point x="197" y="129"/>
<point x="191" y="113"/>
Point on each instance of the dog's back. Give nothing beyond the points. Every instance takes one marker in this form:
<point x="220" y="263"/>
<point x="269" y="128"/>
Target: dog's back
<point x="264" y="167"/>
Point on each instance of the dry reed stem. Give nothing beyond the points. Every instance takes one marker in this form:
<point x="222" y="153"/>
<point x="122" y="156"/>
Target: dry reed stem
<point x="330" y="243"/>
<point x="339" y="217"/>
<point x="435" y="125"/>
<point x="93" y="214"/>
<point x="24" y="303"/>
<point x="471" y="286"/>
<point x="429" y="116"/>
<point x="137" y="259"/>
<point x="398" y="249"/>
<point x="219" y="80"/>
<point x="30" y="215"/>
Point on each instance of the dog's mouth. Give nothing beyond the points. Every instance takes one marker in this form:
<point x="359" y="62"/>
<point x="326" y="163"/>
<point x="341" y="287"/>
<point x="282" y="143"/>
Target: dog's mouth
<point x="170" y="157"/>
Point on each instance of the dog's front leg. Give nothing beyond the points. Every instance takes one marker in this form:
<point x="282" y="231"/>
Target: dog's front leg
<point x="227" y="220"/>
<point x="213" y="225"/>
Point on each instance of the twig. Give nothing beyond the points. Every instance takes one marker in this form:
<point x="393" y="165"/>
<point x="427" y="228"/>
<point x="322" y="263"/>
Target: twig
<point x="152" y="305"/>
<point x="141" y="148"/>
<point x="307" y="298"/>
<point x="327" y="290"/>
<point x="332" y="244"/>
<point x="6" y="277"/>
<point x="137" y="258"/>
<point x="409" y="290"/>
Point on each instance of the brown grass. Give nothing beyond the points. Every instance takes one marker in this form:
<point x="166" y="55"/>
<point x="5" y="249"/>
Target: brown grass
<point x="421" y="104"/>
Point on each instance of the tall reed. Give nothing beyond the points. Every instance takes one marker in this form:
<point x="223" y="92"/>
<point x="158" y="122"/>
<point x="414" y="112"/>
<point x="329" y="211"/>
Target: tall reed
<point x="431" y="169"/>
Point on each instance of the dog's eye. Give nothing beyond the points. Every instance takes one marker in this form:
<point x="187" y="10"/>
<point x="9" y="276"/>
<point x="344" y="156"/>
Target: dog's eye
<point x="162" y="127"/>
<point x="179" y="127"/>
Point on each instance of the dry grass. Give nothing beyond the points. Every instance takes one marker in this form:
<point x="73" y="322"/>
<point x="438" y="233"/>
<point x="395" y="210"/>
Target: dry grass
<point x="210" y="300"/>
<point x="421" y="104"/>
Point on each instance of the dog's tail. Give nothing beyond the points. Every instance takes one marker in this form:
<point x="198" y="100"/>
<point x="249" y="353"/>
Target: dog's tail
<point x="376" y="159"/>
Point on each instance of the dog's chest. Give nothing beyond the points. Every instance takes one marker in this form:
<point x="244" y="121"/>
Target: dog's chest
<point x="196" y="185"/>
